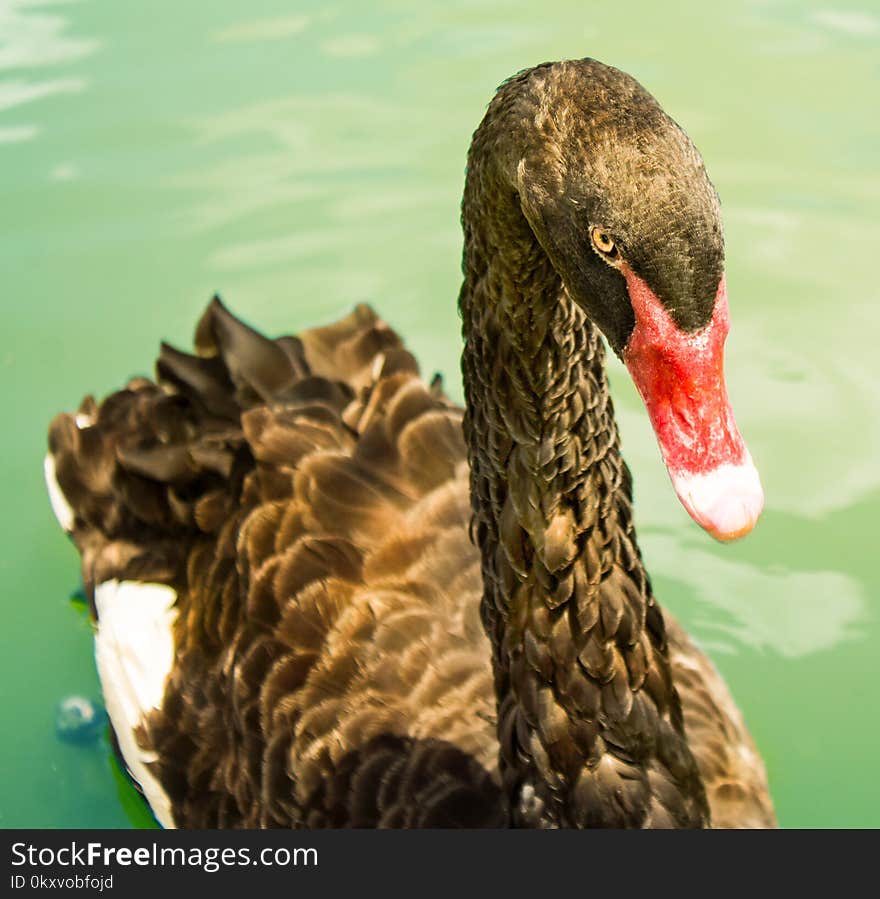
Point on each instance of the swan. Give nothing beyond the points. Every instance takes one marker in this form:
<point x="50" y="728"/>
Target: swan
<point x="326" y="596"/>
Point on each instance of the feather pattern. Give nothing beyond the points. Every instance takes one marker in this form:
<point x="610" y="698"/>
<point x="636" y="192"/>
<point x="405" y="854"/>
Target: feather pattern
<point x="325" y="596"/>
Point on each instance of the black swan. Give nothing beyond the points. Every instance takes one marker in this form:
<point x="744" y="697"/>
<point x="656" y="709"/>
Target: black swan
<point x="327" y="597"/>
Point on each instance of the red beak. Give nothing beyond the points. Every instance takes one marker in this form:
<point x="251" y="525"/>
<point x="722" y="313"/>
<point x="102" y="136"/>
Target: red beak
<point x="681" y="379"/>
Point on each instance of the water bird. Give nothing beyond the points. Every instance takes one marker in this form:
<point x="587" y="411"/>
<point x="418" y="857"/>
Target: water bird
<point x="326" y="596"/>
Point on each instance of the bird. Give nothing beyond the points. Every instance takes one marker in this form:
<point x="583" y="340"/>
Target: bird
<point x="325" y="595"/>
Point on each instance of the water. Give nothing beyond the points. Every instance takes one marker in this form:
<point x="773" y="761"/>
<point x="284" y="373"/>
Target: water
<point x="304" y="157"/>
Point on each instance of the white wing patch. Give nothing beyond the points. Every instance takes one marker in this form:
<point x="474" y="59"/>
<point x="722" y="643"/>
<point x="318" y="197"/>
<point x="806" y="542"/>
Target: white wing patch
<point x="60" y="506"/>
<point x="134" y="650"/>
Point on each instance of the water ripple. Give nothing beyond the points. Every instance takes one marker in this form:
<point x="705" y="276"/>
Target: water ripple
<point x="30" y="39"/>
<point x="790" y="613"/>
<point x="262" y="30"/>
<point x="847" y="21"/>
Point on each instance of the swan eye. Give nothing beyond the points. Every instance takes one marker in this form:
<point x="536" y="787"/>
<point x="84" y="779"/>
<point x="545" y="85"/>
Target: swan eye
<point x="604" y="244"/>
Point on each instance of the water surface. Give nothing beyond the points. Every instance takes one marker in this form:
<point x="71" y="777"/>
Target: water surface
<point x="302" y="157"/>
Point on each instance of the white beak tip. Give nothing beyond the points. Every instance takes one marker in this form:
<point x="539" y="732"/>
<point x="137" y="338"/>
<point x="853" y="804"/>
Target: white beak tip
<point x="726" y="501"/>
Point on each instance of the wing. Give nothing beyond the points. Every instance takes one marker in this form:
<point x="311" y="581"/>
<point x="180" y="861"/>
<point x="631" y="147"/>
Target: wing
<point x="729" y="763"/>
<point x="274" y="537"/>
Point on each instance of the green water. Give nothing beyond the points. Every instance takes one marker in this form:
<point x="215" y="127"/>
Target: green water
<point x="302" y="157"/>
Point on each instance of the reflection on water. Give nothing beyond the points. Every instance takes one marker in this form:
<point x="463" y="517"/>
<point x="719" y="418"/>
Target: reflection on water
<point x="33" y="39"/>
<point x="790" y="613"/>
<point x="17" y="93"/>
<point x="302" y="161"/>
<point x="33" y="34"/>
<point x="299" y="145"/>
<point x="855" y="23"/>
<point x="263" y="30"/>
<point x="14" y="134"/>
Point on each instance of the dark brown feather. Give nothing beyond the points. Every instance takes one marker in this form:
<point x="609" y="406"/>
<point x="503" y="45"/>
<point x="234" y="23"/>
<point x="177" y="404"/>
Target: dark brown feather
<point x="344" y="654"/>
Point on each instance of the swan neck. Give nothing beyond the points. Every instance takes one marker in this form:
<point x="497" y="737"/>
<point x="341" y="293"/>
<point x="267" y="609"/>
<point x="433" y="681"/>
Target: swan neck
<point x="586" y="707"/>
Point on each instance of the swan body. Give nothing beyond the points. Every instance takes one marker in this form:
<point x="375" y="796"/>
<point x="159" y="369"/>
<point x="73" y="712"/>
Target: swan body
<point x="326" y="596"/>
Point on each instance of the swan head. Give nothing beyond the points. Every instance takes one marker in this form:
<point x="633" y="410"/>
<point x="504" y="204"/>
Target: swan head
<point x="618" y="197"/>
